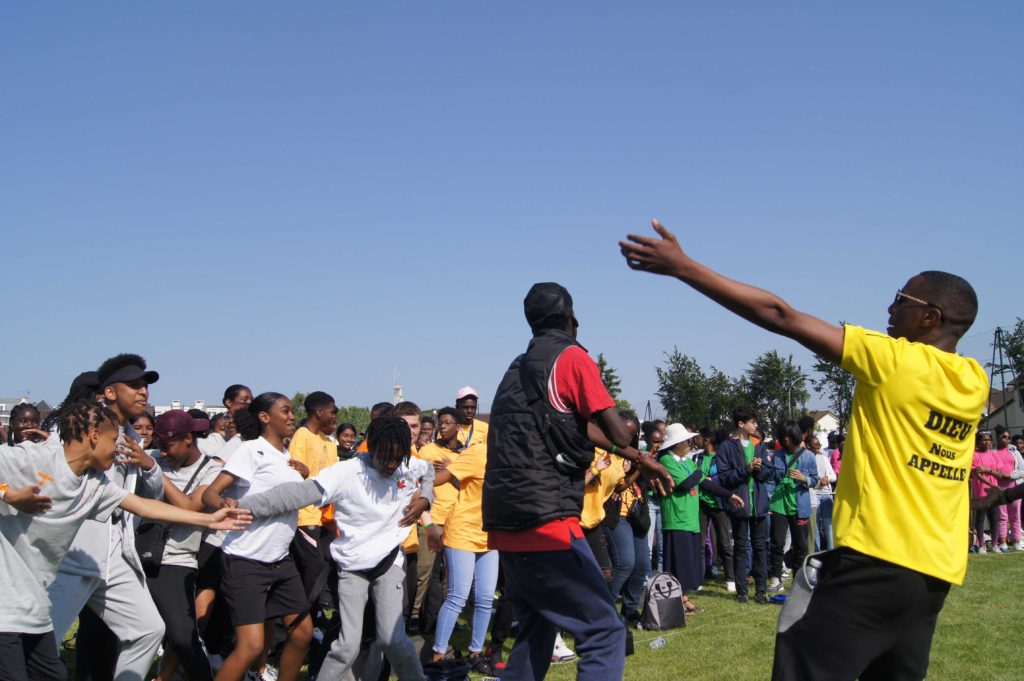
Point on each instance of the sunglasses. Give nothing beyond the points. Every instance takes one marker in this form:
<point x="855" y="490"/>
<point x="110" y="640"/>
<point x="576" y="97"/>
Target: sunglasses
<point x="901" y="296"/>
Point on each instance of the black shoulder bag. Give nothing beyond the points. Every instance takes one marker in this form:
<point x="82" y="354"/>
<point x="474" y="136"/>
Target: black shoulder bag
<point x="151" y="536"/>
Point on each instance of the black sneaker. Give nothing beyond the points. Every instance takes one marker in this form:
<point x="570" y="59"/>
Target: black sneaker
<point x="761" y="598"/>
<point x="478" y="663"/>
<point x="741" y="598"/>
<point x="495" y="661"/>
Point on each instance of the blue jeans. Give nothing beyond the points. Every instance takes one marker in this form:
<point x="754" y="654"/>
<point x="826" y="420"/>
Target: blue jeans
<point x="631" y="566"/>
<point x="825" y="525"/>
<point x="467" y="569"/>
<point x="654" y="535"/>
<point x="564" y="590"/>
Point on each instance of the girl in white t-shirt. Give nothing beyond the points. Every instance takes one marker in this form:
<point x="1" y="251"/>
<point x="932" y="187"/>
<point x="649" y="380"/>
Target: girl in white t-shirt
<point x="259" y="565"/>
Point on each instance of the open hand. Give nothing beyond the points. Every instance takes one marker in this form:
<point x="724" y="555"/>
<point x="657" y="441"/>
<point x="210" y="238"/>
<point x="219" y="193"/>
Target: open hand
<point x="28" y="499"/>
<point x="35" y="435"/>
<point x="131" y="451"/>
<point x="648" y="254"/>
<point x="659" y="478"/>
<point x="796" y="475"/>
<point x="736" y="501"/>
<point x="230" y="519"/>
<point x="413" y="511"/>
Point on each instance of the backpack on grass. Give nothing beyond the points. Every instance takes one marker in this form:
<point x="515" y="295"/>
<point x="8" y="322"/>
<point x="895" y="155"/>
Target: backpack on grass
<point x="663" y="603"/>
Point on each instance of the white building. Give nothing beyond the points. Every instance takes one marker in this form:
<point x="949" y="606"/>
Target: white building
<point x="178" y="405"/>
<point x="825" y="422"/>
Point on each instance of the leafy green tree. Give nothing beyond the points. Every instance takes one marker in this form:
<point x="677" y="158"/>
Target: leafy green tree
<point x="612" y="382"/>
<point x="836" y="384"/>
<point x="298" y="407"/>
<point x="776" y="388"/>
<point x="357" y="416"/>
<point x="723" y="393"/>
<point x="1013" y="346"/>
<point x="682" y="389"/>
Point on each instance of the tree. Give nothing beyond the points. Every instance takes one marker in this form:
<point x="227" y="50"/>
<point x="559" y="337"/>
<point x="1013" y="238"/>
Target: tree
<point x="298" y="407"/>
<point x="724" y="392"/>
<point x="836" y="384"/>
<point x="776" y="388"/>
<point x="682" y="389"/>
<point x="357" y="416"/>
<point x="612" y="382"/>
<point x="1013" y="346"/>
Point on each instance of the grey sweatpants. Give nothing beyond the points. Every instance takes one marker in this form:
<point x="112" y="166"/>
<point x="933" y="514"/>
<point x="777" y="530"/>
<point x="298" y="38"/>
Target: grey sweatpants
<point x="124" y="604"/>
<point x="388" y="592"/>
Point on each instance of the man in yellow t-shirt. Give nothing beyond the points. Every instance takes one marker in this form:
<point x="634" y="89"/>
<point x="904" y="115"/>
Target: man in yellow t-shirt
<point x="901" y="506"/>
<point x="313" y="446"/>
<point x="472" y="430"/>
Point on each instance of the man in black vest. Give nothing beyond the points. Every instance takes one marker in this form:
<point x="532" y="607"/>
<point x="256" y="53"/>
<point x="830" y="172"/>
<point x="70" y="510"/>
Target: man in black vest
<point x="550" y="410"/>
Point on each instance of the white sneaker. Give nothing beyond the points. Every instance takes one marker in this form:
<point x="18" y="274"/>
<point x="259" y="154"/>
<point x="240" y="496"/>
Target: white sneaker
<point x="269" y="673"/>
<point x="1003" y="548"/>
<point x="562" y="652"/>
<point x="1019" y="546"/>
<point x="982" y="549"/>
<point x="775" y="584"/>
<point x="730" y="587"/>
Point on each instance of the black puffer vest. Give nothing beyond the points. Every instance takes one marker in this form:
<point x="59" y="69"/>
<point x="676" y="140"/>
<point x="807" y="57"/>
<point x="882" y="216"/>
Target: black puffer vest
<point x="526" y="482"/>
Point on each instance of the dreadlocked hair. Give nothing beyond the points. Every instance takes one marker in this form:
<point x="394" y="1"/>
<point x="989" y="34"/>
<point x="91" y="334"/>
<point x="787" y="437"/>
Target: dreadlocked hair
<point x="388" y="434"/>
<point x="16" y="411"/>
<point x="78" y="417"/>
<point x="248" y="420"/>
<point x="77" y="394"/>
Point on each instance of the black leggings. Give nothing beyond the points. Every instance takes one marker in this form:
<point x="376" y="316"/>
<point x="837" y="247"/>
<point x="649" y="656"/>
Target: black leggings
<point x="723" y="536"/>
<point x="174" y="593"/>
<point x="798" y="529"/>
<point x="992" y="515"/>
<point x="30" y="656"/>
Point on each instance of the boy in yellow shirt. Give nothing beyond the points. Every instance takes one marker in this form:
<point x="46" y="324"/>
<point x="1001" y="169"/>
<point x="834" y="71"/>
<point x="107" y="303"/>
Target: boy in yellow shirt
<point x="901" y="506"/>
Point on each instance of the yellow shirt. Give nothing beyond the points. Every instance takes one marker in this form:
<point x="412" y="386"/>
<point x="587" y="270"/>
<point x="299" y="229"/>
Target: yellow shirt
<point x="317" y="452"/>
<point x="479" y="433"/>
<point x="600" y="491"/>
<point x="902" y="494"/>
<point x="465" y="527"/>
<point x="444" y="495"/>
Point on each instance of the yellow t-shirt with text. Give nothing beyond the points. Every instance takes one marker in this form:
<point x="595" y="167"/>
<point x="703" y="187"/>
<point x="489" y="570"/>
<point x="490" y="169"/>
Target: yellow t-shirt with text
<point x="317" y="452"/>
<point x="902" y="494"/>
<point x="444" y="495"/>
<point x="464" y="529"/>
<point x="600" y="491"/>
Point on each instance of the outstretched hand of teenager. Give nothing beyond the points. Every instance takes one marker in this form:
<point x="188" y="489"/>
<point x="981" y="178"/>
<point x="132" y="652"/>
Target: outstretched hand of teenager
<point x="28" y="499"/>
<point x="417" y="507"/>
<point x="659" y="478"/>
<point x="230" y="519"/>
<point x="660" y="256"/>
<point x="132" y="452"/>
<point x="299" y="467"/>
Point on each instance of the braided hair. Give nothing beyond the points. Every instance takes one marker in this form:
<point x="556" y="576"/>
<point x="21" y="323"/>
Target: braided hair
<point x="77" y="393"/>
<point x="78" y="417"/>
<point x="17" y="411"/>
<point x="387" y="435"/>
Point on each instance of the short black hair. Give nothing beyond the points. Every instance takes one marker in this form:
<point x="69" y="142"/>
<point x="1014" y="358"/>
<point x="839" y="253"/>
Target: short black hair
<point x="232" y="391"/>
<point x="955" y="297"/>
<point x="317" y="399"/>
<point x="198" y="414"/>
<point x="1000" y="429"/>
<point x="125" y="359"/>
<point x="381" y="409"/>
<point x="806" y="423"/>
<point x="741" y="413"/>
<point x="790" y="429"/>
<point x="450" y="411"/>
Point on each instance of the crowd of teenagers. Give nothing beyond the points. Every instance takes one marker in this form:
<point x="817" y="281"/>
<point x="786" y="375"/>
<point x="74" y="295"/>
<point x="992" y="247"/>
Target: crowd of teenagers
<point x="248" y="545"/>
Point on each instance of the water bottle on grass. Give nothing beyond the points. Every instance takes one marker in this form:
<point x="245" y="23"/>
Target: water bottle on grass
<point x="658" y="643"/>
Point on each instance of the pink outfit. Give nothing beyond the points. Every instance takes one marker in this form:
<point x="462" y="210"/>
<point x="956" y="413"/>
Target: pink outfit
<point x="835" y="458"/>
<point x="1009" y="514"/>
<point x="981" y="483"/>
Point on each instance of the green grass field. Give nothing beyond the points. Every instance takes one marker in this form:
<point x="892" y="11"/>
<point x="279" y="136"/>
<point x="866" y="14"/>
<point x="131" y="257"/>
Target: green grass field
<point x="976" y="638"/>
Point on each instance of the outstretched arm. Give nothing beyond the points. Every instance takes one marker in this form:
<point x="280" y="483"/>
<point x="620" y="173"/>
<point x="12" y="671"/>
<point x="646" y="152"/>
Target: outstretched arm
<point x="290" y="496"/>
<point x="767" y="310"/>
<point x="223" y="519"/>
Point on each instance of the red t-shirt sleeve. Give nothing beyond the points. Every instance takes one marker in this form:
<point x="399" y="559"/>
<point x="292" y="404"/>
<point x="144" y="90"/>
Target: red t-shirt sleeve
<point x="575" y="384"/>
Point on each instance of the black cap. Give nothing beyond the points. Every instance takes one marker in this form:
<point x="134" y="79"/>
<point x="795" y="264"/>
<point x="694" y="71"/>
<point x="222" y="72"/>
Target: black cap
<point x="86" y="379"/>
<point x="129" y="373"/>
<point x="547" y="304"/>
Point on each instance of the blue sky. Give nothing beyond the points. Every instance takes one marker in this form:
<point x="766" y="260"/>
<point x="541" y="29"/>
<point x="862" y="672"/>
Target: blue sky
<point x="307" y="197"/>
